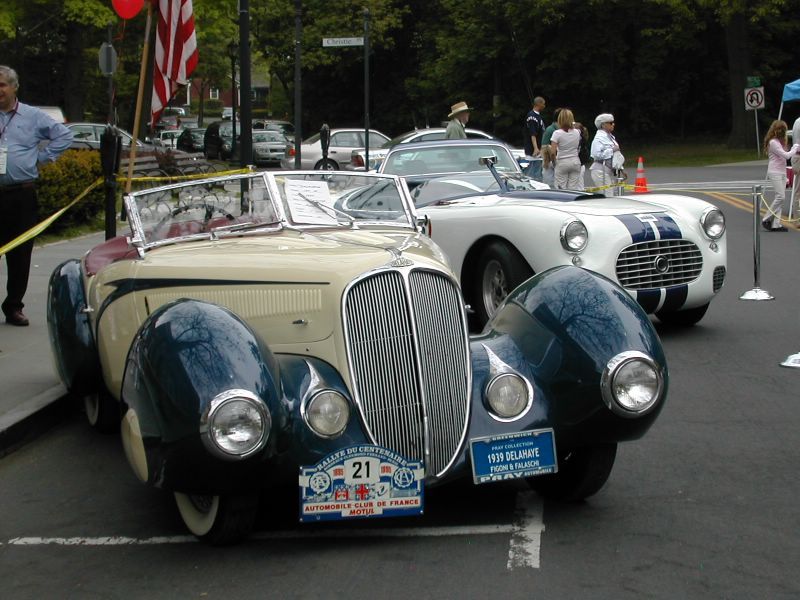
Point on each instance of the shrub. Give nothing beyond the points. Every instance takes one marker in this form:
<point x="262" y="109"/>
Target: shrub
<point x="63" y="181"/>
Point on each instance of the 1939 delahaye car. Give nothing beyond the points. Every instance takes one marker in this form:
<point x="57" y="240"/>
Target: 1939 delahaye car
<point x="298" y="328"/>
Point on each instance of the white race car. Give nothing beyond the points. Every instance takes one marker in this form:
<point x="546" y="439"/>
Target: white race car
<point x="498" y="228"/>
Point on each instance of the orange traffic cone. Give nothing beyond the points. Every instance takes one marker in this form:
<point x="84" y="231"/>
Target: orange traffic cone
<point x="640" y="187"/>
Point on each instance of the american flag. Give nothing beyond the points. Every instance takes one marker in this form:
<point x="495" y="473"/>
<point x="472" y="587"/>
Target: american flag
<point x="176" y="52"/>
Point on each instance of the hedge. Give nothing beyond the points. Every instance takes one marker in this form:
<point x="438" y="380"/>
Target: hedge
<point x="63" y="181"/>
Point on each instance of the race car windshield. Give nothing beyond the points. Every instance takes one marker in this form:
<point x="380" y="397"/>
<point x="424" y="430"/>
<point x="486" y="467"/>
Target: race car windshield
<point x="336" y="198"/>
<point x="447" y="159"/>
<point x="200" y="209"/>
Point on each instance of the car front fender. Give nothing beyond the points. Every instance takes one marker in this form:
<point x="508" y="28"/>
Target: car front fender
<point x="186" y="354"/>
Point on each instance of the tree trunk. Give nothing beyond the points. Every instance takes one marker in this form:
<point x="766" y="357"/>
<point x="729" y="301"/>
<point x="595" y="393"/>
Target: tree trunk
<point x="742" y="125"/>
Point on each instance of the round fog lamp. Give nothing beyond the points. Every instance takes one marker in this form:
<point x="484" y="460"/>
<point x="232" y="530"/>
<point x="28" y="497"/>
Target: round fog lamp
<point x="632" y="383"/>
<point x="237" y="424"/>
<point x="327" y="413"/>
<point x="508" y="395"/>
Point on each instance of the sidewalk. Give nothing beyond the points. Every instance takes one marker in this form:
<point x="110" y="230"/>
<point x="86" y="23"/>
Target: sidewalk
<point x="33" y="397"/>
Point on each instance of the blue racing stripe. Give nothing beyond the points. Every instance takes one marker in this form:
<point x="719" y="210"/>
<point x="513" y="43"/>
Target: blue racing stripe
<point x="675" y="297"/>
<point x="640" y="232"/>
<point x="668" y="229"/>
<point x="648" y="299"/>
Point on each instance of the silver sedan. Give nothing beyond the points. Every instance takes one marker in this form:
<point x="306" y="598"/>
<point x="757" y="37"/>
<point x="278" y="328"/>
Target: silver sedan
<point x="343" y="142"/>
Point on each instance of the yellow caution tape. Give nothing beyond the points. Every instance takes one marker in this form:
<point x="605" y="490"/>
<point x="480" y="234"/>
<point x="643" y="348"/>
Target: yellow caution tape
<point x="37" y="229"/>
<point x="40" y="227"/>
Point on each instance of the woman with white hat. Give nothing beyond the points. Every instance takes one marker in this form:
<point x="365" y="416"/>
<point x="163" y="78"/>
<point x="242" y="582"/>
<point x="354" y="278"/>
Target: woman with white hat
<point x="456" y="128"/>
<point x="604" y="147"/>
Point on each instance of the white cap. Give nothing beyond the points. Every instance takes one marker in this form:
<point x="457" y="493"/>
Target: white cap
<point x="603" y="118"/>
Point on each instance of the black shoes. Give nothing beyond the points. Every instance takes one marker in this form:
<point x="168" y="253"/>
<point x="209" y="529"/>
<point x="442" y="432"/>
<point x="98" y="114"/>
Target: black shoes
<point x="767" y="224"/>
<point x="16" y="317"/>
<point x="781" y="228"/>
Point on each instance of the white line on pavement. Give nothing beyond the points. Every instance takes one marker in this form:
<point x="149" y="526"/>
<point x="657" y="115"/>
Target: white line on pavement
<point x="523" y="550"/>
<point x="276" y="535"/>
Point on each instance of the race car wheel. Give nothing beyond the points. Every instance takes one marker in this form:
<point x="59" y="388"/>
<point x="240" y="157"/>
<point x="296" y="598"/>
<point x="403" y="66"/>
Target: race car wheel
<point x="326" y="165"/>
<point x="682" y="318"/>
<point x="102" y="411"/>
<point x="500" y="269"/>
<point x="581" y="473"/>
<point x="219" y="520"/>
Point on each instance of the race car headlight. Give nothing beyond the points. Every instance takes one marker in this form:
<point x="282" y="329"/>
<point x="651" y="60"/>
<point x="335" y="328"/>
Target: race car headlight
<point x="327" y="413"/>
<point x="632" y="384"/>
<point x="235" y="425"/>
<point x="508" y="395"/>
<point x="713" y="222"/>
<point x="574" y="236"/>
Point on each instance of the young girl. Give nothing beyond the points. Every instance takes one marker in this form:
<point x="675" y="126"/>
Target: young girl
<point x="775" y="148"/>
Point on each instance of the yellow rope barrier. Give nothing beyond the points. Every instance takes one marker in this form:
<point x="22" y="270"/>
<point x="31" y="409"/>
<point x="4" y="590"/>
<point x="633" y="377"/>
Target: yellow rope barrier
<point x="40" y="227"/>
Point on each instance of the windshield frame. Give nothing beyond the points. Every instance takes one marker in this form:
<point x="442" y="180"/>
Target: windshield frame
<point x="279" y="206"/>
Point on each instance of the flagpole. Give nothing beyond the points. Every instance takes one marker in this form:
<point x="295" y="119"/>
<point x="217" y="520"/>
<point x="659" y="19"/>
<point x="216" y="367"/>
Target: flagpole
<point x="139" y="97"/>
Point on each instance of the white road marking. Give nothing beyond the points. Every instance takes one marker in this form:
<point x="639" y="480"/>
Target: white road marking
<point x="275" y="535"/>
<point x="525" y="545"/>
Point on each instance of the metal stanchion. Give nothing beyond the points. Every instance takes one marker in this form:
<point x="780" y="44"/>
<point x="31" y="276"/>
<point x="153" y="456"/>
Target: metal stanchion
<point x="756" y="293"/>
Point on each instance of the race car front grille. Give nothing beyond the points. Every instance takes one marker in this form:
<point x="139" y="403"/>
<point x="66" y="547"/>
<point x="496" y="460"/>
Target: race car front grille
<point x="409" y="362"/>
<point x="660" y="263"/>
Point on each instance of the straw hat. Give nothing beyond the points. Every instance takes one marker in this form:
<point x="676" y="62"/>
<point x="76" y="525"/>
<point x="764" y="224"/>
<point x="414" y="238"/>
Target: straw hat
<point x="458" y="108"/>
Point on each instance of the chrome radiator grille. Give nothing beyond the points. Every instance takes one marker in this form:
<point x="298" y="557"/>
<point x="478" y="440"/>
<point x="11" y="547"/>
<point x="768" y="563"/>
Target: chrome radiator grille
<point x="409" y="363"/>
<point x="660" y="263"/>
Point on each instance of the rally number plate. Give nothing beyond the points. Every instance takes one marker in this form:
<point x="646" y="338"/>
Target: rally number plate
<point x="513" y="455"/>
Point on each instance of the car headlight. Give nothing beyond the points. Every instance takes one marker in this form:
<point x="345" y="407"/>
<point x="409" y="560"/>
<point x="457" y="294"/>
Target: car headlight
<point x="509" y="395"/>
<point x="632" y="384"/>
<point x="235" y="425"/>
<point x="327" y="413"/>
<point x="574" y="236"/>
<point x="713" y="222"/>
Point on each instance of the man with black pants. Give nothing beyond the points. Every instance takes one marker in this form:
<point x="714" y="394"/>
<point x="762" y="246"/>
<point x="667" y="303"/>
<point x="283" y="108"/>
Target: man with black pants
<point x="22" y="129"/>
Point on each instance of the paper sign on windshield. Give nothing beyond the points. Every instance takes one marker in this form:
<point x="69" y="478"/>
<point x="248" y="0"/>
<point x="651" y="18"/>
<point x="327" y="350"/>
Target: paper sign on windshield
<point x="306" y="199"/>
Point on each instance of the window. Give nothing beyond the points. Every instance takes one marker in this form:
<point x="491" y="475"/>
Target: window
<point x="213" y="94"/>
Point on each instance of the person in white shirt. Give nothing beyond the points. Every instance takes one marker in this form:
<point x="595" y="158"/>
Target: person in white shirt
<point x="565" y="142"/>
<point x="775" y="148"/>
<point x="604" y="146"/>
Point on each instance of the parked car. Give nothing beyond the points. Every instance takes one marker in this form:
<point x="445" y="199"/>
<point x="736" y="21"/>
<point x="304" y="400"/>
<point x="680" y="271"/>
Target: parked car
<point x="218" y="139"/>
<point x="498" y="228"/>
<point x="166" y="138"/>
<point x="170" y="119"/>
<point x="285" y="128"/>
<point x="297" y="328"/>
<point x="191" y="139"/>
<point x="87" y="136"/>
<point x="427" y="134"/>
<point x="227" y="112"/>
<point x="269" y="146"/>
<point x="342" y="144"/>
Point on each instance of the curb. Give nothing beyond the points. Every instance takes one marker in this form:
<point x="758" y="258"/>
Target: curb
<point x="32" y="418"/>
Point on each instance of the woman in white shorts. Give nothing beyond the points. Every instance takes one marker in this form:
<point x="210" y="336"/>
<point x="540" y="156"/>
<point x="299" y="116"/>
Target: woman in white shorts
<point x="604" y="146"/>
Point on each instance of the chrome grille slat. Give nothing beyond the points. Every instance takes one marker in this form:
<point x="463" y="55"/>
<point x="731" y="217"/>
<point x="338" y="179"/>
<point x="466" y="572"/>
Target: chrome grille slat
<point x="409" y="360"/>
<point x="636" y="264"/>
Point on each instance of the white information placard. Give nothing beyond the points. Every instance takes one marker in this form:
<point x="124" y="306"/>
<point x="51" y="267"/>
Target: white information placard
<point x="306" y="199"/>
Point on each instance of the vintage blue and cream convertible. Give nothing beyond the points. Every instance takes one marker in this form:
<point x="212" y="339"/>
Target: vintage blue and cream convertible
<point x="299" y="328"/>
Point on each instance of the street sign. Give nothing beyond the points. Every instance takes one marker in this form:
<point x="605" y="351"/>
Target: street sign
<point x="108" y="59"/>
<point x="754" y="98"/>
<point x="342" y="42"/>
<point x="753" y="81"/>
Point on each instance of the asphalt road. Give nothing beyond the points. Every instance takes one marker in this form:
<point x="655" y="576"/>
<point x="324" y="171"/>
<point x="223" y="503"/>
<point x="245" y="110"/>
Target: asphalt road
<point x="705" y="506"/>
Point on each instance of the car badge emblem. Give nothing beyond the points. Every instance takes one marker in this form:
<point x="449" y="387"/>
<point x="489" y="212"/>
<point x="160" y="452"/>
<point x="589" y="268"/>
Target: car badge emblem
<point x="661" y="264"/>
<point x="398" y="260"/>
